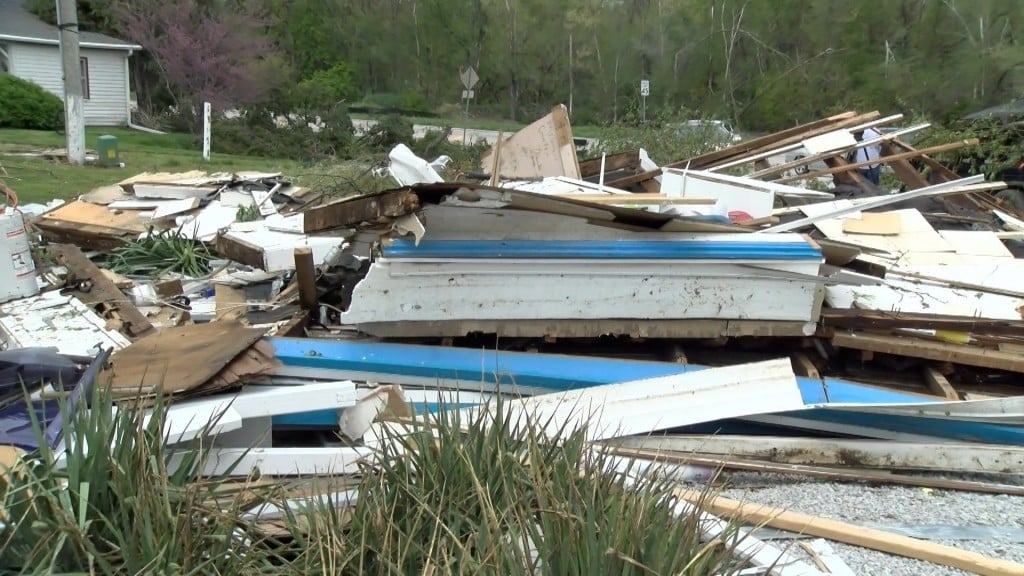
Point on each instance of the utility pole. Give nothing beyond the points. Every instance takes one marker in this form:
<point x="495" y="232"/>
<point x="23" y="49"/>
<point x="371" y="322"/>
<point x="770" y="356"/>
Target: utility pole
<point x="74" y="118"/>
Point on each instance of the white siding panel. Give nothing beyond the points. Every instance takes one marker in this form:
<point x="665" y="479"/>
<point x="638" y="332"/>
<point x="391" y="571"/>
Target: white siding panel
<point x="106" y="105"/>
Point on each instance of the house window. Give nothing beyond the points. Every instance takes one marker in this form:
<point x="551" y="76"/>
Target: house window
<point x="85" y="77"/>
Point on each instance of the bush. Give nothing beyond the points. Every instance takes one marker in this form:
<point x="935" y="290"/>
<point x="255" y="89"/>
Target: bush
<point x="28" y="105"/>
<point x="327" y="88"/>
<point x="388" y="132"/>
<point x="302" y="135"/>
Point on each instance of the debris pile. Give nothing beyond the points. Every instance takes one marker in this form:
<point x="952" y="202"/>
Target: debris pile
<point x="753" y="320"/>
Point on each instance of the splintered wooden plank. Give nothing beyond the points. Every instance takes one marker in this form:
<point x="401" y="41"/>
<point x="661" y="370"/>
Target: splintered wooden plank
<point x="884" y="454"/>
<point x="929" y="350"/>
<point x="104" y="296"/>
<point x="612" y="163"/>
<point x="883" y="160"/>
<point x="177" y="360"/>
<point x="904" y="170"/>
<point x="91" y="226"/>
<point x="851" y="534"/>
<point x="938" y="384"/>
<point x="360" y="209"/>
<point x="887" y="320"/>
<point x="544" y="148"/>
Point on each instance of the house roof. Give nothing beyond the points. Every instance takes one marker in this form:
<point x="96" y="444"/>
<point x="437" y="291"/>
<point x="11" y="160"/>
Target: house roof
<point x="17" y="24"/>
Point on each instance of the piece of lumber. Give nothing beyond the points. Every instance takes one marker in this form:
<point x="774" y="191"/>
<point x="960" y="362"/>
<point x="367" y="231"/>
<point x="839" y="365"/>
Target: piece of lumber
<point x="939" y="351"/>
<point x="752" y="146"/>
<point x="855" y="535"/>
<point x="883" y="160"/>
<point x="938" y="384"/>
<point x="777" y="140"/>
<point x="781" y="168"/>
<point x="940" y="171"/>
<point x="764" y="153"/>
<point x="904" y="170"/>
<point x="371" y="208"/>
<point x="305" y="278"/>
<point x="881" y="454"/>
<point x="103" y="296"/>
<point x="613" y="163"/>
<point x="946" y="188"/>
<point x="822" y="472"/>
<point x="803" y="366"/>
<point x="886" y="320"/>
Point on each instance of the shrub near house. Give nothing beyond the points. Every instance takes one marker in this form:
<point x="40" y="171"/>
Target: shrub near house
<point x="27" y="105"/>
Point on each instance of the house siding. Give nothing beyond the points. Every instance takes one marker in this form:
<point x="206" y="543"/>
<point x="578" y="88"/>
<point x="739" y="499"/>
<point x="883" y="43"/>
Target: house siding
<point x="108" y="91"/>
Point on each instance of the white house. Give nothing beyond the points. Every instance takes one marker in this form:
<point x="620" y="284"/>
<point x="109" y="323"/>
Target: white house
<point x="30" y="49"/>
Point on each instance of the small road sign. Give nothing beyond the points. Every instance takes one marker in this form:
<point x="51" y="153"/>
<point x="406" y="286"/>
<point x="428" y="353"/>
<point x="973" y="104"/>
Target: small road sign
<point x="467" y="94"/>
<point x="469" y="78"/>
<point x="645" y="87"/>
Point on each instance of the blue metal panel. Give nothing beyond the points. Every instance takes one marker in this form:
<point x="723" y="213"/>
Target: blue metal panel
<point x="561" y="372"/>
<point x="604" y="249"/>
<point x="554" y="372"/>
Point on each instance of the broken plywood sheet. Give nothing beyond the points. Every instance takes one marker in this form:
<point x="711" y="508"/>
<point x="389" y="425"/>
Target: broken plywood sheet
<point x="104" y="195"/>
<point x="178" y="360"/>
<point x="172" y="191"/>
<point x="916" y="234"/>
<point x="91" y="225"/>
<point x="190" y="178"/>
<point x="915" y="297"/>
<point x="976" y="243"/>
<point x="544" y="148"/>
<point x="874" y="223"/>
<point x="59" y="321"/>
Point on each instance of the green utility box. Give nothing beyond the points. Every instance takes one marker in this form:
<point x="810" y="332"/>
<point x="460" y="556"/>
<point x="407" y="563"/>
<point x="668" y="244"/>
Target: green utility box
<point x="109" y="155"/>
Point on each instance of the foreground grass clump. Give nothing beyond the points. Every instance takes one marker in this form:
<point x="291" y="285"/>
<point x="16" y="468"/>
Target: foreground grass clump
<point x="476" y="496"/>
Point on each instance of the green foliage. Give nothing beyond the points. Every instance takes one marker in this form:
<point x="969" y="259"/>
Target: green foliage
<point x="302" y="135"/>
<point x="158" y="253"/>
<point x="28" y="105"/>
<point x="407" y="102"/>
<point x="93" y="15"/>
<point x="387" y="132"/>
<point x="491" y="494"/>
<point x="326" y="88"/>
<point x="999" y="147"/>
<point x="663" y="136"/>
<point x="122" y="503"/>
<point x="481" y="494"/>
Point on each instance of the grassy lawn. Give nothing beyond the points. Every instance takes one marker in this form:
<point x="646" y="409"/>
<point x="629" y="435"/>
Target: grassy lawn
<point x="38" y="179"/>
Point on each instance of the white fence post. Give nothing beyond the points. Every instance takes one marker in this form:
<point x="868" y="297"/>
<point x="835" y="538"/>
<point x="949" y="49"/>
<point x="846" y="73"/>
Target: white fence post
<point x="206" y="131"/>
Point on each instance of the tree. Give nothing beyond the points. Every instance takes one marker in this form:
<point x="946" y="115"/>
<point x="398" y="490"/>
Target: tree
<point x="207" y="52"/>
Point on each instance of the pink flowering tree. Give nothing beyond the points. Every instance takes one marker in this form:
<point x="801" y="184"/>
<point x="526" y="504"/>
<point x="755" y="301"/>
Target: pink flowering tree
<point x="206" y="51"/>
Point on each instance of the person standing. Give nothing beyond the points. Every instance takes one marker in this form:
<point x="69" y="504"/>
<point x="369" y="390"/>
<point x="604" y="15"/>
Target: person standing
<point x="872" y="172"/>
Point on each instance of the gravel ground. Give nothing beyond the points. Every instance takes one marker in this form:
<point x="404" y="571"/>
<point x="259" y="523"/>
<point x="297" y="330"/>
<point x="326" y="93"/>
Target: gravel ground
<point x="862" y="504"/>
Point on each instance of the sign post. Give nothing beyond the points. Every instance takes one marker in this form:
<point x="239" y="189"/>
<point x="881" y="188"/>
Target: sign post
<point x="469" y="80"/>
<point x="206" y="130"/>
<point x="645" y="91"/>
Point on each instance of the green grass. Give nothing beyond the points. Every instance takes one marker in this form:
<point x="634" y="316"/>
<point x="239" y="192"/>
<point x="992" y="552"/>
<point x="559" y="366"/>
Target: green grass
<point x="39" y="180"/>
